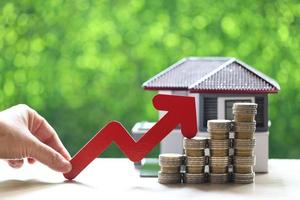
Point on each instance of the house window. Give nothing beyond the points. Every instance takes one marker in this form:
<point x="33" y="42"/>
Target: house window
<point x="210" y="109"/>
<point x="260" y="117"/>
<point x="220" y="107"/>
<point x="228" y="107"/>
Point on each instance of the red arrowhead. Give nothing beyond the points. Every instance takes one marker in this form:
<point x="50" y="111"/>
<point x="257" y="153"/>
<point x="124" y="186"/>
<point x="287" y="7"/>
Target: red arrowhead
<point x="181" y="110"/>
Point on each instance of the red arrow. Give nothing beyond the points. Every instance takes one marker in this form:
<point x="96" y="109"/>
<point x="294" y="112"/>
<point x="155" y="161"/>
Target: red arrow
<point x="181" y="110"/>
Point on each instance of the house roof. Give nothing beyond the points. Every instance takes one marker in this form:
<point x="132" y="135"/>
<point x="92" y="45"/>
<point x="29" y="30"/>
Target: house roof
<point x="212" y="75"/>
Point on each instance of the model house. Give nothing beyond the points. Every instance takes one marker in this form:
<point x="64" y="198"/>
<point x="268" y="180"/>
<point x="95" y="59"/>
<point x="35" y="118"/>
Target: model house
<point x="216" y="83"/>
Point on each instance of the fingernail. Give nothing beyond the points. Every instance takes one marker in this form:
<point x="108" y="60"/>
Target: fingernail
<point x="15" y="164"/>
<point x="12" y="163"/>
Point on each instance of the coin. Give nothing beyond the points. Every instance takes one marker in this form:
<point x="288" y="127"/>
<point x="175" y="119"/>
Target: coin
<point x="194" y="178"/>
<point x="219" y="152"/>
<point x="194" y="152"/>
<point x="194" y="169"/>
<point x="218" y="169"/>
<point x="195" y="143"/>
<point x="244" y="178"/>
<point x="218" y="125"/>
<point x="244" y="105"/>
<point x="170" y="170"/>
<point x="244" y="143"/>
<point x="245" y="126"/>
<point x="244" y="152"/>
<point x="195" y="161"/>
<point x="243" y="169"/>
<point x="239" y="160"/>
<point x="218" y="178"/>
<point x="218" y="144"/>
<point x="244" y="112"/>
<point x="170" y="159"/>
<point x="244" y="117"/>
<point x="166" y="178"/>
<point x="219" y="136"/>
<point x="244" y="135"/>
<point x="219" y="161"/>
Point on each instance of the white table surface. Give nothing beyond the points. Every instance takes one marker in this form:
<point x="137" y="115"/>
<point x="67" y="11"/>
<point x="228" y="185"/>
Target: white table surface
<point x="117" y="179"/>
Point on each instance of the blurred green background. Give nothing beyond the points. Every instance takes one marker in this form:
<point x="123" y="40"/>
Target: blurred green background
<point x="81" y="63"/>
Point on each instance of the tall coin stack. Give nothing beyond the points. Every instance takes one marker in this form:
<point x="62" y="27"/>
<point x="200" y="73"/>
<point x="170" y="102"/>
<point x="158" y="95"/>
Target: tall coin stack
<point x="170" y="166"/>
<point x="244" y="142"/>
<point x="195" y="160"/>
<point x="219" y="150"/>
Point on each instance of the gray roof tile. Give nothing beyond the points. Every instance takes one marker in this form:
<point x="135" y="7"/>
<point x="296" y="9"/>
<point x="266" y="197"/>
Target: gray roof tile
<point x="212" y="75"/>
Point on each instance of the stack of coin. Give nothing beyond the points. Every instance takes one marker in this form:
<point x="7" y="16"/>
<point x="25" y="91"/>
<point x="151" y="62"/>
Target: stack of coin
<point x="219" y="178"/>
<point x="244" y="112"/>
<point x="195" y="159"/>
<point x="244" y="165"/>
<point x="244" y="142"/>
<point x="244" y="130"/>
<point x="219" y="150"/>
<point x="244" y="178"/>
<point x="218" y="129"/>
<point x="170" y="165"/>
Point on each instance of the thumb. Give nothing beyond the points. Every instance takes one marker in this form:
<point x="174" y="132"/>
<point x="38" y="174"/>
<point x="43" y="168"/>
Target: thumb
<point x="48" y="156"/>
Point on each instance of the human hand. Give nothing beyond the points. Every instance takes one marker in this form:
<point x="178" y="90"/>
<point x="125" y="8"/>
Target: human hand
<point x="26" y="134"/>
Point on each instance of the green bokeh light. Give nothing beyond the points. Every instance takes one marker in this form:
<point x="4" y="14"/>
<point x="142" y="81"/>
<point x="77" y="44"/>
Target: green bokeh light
<point x="81" y="63"/>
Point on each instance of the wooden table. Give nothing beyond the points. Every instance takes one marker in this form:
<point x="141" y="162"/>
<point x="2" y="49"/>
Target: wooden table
<point x="117" y="179"/>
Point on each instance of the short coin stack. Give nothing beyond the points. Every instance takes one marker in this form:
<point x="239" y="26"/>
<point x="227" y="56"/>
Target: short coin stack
<point x="219" y="150"/>
<point x="244" y="142"/>
<point x="170" y="165"/>
<point x="195" y="159"/>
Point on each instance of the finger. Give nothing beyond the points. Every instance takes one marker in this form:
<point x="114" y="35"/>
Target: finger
<point x="31" y="160"/>
<point x="49" y="157"/>
<point x="17" y="163"/>
<point x="40" y="128"/>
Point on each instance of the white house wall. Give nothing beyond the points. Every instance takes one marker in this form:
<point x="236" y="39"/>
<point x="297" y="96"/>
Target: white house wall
<point x="196" y="95"/>
<point x="261" y="151"/>
<point x="162" y="113"/>
<point x="172" y="143"/>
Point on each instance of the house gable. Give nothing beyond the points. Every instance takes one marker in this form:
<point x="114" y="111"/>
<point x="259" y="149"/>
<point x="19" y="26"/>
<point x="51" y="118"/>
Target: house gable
<point x="235" y="78"/>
